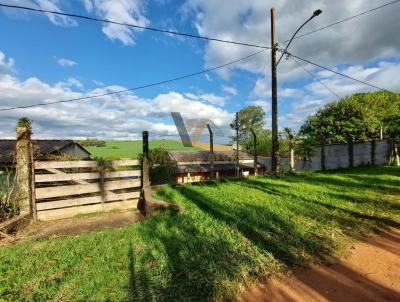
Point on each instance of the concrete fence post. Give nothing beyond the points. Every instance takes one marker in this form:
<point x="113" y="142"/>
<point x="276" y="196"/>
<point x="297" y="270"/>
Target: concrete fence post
<point x="323" y="167"/>
<point x="350" y="150"/>
<point x="25" y="168"/>
<point x="373" y="151"/>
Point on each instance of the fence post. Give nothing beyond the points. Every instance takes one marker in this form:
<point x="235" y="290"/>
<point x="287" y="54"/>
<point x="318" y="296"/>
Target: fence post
<point x="350" y="146"/>
<point x="323" y="154"/>
<point x="255" y="151"/>
<point x="145" y="160"/>
<point x="373" y="151"/>
<point x="25" y="168"/>
<point x="211" y="157"/>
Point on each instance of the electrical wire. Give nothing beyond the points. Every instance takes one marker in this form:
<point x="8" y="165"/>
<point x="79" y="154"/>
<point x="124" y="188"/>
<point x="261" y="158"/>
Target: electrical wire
<point x="336" y="72"/>
<point x="131" y="25"/>
<point x="344" y="20"/>
<point x="136" y="88"/>
<point x="315" y="78"/>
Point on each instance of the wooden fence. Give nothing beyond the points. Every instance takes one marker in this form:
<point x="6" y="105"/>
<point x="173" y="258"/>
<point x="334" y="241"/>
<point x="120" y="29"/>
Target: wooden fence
<point x="67" y="188"/>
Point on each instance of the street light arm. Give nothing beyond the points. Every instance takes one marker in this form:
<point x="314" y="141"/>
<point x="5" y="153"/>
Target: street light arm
<point x="316" y="13"/>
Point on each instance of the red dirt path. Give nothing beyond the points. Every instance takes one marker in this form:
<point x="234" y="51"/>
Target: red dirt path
<point x="371" y="273"/>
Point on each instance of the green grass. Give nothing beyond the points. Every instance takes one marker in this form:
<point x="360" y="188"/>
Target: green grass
<point x="131" y="149"/>
<point x="230" y="233"/>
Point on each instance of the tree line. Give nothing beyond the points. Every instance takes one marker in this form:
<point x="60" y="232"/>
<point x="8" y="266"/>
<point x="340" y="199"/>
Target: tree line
<point x="357" y="118"/>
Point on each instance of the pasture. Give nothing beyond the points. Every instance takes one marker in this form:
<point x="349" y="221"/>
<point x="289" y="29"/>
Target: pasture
<point x="230" y="233"/>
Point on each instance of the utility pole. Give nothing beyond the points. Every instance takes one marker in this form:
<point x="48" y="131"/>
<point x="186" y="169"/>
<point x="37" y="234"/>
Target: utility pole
<point x="237" y="144"/>
<point x="211" y="157"/>
<point x="275" y="142"/>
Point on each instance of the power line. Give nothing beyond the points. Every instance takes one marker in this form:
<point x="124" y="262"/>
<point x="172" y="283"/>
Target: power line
<point x="314" y="77"/>
<point x="131" y="25"/>
<point x="136" y="88"/>
<point x="344" y="20"/>
<point x="336" y="72"/>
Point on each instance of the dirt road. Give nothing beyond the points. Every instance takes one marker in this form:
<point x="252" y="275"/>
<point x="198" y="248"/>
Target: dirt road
<point x="371" y="273"/>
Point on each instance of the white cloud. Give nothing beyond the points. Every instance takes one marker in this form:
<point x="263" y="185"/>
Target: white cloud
<point x="70" y="83"/>
<point x="124" y="11"/>
<point x="384" y="75"/>
<point x="213" y="99"/>
<point x="6" y="66"/>
<point x="66" y="62"/>
<point x="262" y="88"/>
<point x="98" y="83"/>
<point x="230" y="89"/>
<point x="264" y="104"/>
<point x="369" y="37"/>
<point x="118" y="116"/>
<point x="50" y="5"/>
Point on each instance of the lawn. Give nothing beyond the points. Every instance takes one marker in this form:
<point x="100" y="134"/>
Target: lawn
<point x="131" y="149"/>
<point x="230" y="233"/>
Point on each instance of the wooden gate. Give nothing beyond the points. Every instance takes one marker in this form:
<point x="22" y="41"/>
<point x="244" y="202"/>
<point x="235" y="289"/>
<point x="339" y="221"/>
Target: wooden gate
<point x="67" y="188"/>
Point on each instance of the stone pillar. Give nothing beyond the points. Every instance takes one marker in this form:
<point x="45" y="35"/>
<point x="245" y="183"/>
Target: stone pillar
<point x="24" y="167"/>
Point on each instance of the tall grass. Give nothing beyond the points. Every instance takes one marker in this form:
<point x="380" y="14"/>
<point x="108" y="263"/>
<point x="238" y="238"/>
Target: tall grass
<point x="8" y="194"/>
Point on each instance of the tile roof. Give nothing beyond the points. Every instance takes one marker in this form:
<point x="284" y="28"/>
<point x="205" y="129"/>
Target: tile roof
<point x="203" y="156"/>
<point x="41" y="148"/>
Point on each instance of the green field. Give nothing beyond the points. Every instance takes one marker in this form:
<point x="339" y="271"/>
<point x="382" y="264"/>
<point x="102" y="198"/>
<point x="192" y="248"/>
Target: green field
<point x="131" y="149"/>
<point x="230" y="233"/>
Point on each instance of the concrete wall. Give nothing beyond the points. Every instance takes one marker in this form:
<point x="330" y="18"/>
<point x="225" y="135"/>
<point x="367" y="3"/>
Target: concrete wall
<point x="336" y="156"/>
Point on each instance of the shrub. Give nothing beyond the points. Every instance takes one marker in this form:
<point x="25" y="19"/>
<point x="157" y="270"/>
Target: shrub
<point x="8" y="194"/>
<point x="92" y="143"/>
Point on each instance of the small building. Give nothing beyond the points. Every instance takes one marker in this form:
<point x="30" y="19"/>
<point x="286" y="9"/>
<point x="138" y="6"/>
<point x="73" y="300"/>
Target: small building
<point x="43" y="150"/>
<point x="195" y="166"/>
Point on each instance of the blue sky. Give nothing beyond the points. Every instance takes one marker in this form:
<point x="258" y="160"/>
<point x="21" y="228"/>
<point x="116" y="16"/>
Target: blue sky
<point x="46" y="58"/>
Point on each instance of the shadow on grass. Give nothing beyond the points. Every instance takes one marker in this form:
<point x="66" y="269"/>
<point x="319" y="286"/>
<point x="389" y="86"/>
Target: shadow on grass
<point x="206" y="251"/>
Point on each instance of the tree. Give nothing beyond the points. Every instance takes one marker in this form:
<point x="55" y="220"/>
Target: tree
<point x="251" y="117"/>
<point x="359" y="117"/>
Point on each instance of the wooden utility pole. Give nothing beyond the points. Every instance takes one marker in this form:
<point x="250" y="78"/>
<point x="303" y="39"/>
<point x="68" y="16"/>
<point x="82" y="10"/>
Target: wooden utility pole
<point x="274" y="88"/>
<point x="211" y="157"/>
<point x="237" y="144"/>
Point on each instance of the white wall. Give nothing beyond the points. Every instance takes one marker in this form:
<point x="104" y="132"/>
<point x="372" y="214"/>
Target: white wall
<point x="336" y="156"/>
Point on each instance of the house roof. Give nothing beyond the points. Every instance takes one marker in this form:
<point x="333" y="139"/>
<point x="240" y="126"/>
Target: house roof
<point x="203" y="168"/>
<point x="203" y="156"/>
<point x="42" y="148"/>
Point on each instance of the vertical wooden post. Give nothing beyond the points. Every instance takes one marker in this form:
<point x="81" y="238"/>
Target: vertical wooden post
<point x="25" y="168"/>
<point x="145" y="161"/>
<point x="102" y="182"/>
<point x="237" y="145"/>
<point x="211" y="159"/>
<point x="255" y="151"/>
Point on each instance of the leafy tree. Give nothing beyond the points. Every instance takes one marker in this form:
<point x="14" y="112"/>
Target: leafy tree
<point x="251" y="117"/>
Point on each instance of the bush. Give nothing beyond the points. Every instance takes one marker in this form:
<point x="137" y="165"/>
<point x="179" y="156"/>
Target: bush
<point x="8" y="194"/>
<point x="161" y="167"/>
<point x="92" y="143"/>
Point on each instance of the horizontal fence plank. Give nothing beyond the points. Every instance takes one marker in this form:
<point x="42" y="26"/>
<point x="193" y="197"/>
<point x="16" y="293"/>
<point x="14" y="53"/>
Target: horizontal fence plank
<point x="70" y="212"/>
<point x="84" y="176"/>
<point x="84" y="164"/>
<point x="60" y="191"/>
<point x="48" y="205"/>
